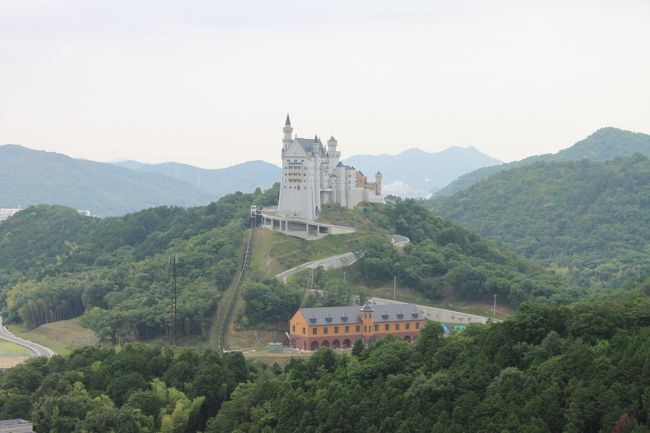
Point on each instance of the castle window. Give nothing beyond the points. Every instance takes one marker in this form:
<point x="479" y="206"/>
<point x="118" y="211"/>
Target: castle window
<point x="325" y="330"/>
<point x="314" y="331"/>
<point x="303" y="331"/>
<point x="376" y="327"/>
<point x="417" y="325"/>
<point x="336" y="329"/>
<point x="358" y="328"/>
<point x="347" y="329"/>
<point x="293" y="328"/>
<point x="397" y="326"/>
<point x="408" y="325"/>
<point x="386" y="327"/>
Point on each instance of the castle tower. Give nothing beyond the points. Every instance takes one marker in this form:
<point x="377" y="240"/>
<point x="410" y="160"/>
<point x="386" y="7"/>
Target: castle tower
<point x="331" y="144"/>
<point x="367" y="321"/>
<point x="378" y="177"/>
<point x="288" y="130"/>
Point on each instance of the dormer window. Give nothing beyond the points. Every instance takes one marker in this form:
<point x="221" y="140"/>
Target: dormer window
<point x="312" y="319"/>
<point x="328" y="319"/>
<point x="400" y="315"/>
<point x="414" y="315"/>
<point x="344" y="318"/>
<point x="384" y="316"/>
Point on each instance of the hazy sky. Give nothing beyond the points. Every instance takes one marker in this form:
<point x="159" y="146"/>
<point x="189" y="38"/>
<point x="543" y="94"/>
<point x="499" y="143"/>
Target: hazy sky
<point x="210" y="82"/>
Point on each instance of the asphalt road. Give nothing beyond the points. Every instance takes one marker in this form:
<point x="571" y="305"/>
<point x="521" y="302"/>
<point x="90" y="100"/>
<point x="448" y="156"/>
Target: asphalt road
<point x="39" y="350"/>
<point x="400" y="241"/>
<point x="338" y="261"/>
<point x="333" y="262"/>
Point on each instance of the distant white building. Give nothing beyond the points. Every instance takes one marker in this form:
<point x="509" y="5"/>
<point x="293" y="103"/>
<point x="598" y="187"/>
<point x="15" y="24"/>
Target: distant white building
<point x="313" y="176"/>
<point x="7" y="212"/>
<point x="15" y="426"/>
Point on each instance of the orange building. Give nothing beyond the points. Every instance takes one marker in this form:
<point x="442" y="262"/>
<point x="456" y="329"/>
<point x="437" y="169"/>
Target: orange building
<point x="340" y="327"/>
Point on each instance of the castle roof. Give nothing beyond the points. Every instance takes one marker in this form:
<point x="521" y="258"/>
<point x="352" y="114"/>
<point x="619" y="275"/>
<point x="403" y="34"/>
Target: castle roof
<point x="351" y="314"/>
<point x="307" y="143"/>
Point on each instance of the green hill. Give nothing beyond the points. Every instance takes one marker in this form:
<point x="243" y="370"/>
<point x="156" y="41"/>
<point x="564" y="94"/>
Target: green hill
<point x="56" y="264"/>
<point x="445" y="261"/>
<point x="602" y="145"/>
<point x="587" y="219"/>
<point x="33" y="177"/>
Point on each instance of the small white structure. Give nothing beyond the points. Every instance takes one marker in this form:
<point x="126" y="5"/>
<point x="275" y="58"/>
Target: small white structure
<point x="15" y="426"/>
<point x="313" y="176"/>
<point x="7" y="212"/>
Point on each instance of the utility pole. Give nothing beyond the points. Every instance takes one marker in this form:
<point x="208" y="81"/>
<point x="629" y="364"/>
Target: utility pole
<point x="173" y="261"/>
<point x="495" y="306"/>
<point x="395" y="288"/>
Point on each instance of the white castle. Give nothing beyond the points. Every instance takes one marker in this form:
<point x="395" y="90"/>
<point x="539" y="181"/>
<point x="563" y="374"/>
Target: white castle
<point x="313" y="176"/>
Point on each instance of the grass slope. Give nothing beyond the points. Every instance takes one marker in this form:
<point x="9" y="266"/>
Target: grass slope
<point x="62" y="337"/>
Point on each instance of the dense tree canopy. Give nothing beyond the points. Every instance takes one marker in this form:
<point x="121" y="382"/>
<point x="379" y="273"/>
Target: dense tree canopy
<point x="586" y="219"/>
<point x="56" y="264"/>
<point x="445" y="260"/>
<point x="140" y="389"/>
<point x="548" y="369"/>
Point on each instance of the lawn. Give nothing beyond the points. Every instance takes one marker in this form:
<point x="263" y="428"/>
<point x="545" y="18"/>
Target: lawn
<point x="12" y="354"/>
<point x="62" y="337"/>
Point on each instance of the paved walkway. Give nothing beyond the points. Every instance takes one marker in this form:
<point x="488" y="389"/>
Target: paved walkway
<point x="39" y="350"/>
<point x="338" y="261"/>
<point x="333" y="262"/>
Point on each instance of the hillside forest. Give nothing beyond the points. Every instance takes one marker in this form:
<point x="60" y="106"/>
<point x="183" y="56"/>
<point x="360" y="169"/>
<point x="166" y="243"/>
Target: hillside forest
<point x="578" y="368"/>
<point x="586" y="220"/>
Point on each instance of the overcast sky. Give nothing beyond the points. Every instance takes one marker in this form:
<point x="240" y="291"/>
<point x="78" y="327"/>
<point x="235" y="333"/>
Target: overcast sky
<point x="210" y="82"/>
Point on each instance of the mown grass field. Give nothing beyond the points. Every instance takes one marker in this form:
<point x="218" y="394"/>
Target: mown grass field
<point x="12" y="354"/>
<point x="62" y="337"/>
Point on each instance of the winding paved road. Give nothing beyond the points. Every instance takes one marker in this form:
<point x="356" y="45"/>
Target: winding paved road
<point x="39" y="350"/>
<point x="399" y="240"/>
<point x="333" y="262"/>
<point x="338" y="261"/>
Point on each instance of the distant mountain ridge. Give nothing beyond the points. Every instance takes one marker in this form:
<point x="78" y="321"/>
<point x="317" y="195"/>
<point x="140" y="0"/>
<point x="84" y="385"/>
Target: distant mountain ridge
<point x="32" y="177"/>
<point x="243" y="177"/>
<point x="604" y="144"/>
<point x="422" y="171"/>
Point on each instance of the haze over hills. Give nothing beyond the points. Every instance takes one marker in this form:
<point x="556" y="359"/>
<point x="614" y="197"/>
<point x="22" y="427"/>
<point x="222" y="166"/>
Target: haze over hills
<point x="416" y="173"/>
<point x="587" y="219"/>
<point x="243" y="177"/>
<point x="602" y="145"/>
<point x="32" y="177"/>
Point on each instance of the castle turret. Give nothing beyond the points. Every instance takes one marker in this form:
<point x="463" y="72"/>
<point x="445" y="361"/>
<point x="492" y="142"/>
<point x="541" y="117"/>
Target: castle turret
<point x="287" y="133"/>
<point x="331" y="144"/>
<point x="367" y="320"/>
<point x="378" y="177"/>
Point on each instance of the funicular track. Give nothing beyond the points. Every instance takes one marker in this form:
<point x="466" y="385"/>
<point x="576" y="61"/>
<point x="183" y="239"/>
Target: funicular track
<point x="223" y="329"/>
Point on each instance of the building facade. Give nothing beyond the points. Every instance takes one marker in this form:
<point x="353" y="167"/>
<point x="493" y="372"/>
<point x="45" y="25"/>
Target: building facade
<point x="313" y="175"/>
<point x="340" y="327"/>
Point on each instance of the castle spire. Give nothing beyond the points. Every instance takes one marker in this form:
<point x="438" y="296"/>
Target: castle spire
<point x="287" y="133"/>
